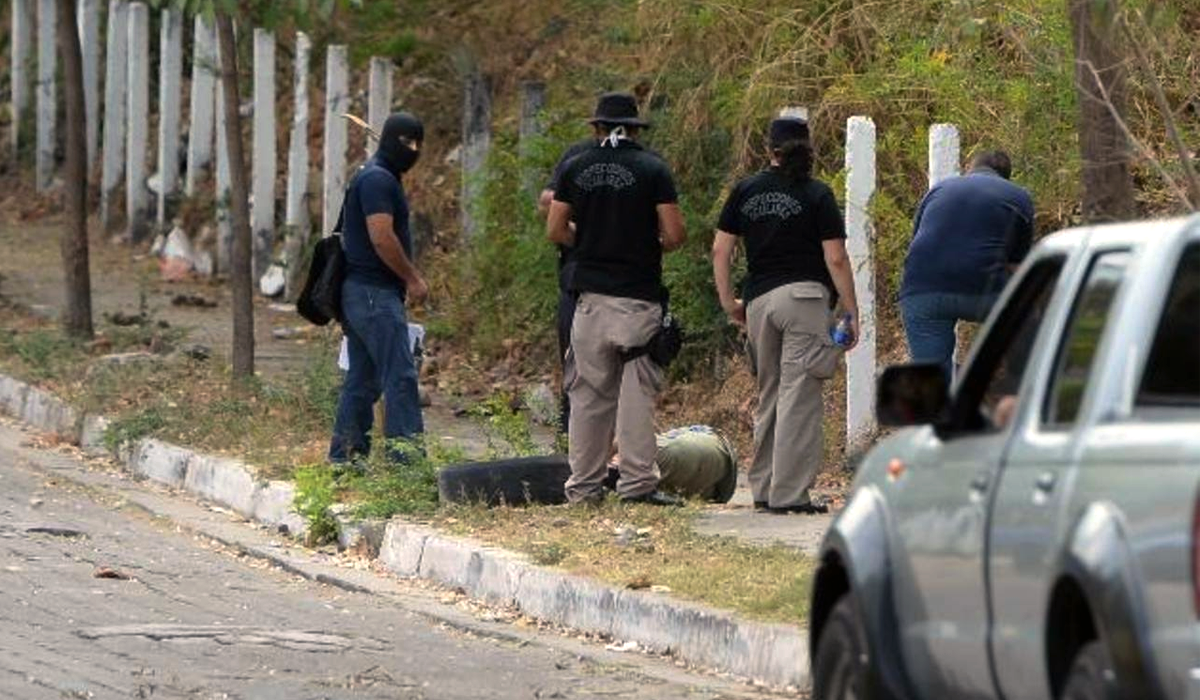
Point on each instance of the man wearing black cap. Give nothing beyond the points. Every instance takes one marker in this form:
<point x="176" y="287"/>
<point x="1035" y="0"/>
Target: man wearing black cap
<point x="622" y="200"/>
<point x="798" y="269"/>
<point x="380" y="275"/>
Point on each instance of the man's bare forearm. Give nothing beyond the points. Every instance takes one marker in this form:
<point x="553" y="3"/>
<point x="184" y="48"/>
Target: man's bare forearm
<point x="843" y="282"/>
<point x="392" y="254"/>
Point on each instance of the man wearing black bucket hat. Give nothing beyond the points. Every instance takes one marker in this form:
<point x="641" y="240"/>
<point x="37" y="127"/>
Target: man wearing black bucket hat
<point x="380" y="275"/>
<point x="623" y="202"/>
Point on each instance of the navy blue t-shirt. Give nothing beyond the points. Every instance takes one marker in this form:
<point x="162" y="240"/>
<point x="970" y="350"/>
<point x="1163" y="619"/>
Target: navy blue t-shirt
<point x="374" y="190"/>
<point x="967" y="231"/>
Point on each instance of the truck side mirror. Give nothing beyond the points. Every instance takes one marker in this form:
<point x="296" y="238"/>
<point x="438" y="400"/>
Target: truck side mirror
<point x="915" y="394"/>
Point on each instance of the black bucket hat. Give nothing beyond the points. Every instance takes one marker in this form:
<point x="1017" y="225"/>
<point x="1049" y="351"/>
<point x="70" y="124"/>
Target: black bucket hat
<point x="618" y="109"/>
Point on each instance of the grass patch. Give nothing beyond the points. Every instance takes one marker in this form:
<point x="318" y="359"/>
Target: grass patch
<point x="273" y="424"/>
<point x="640" y="546"/>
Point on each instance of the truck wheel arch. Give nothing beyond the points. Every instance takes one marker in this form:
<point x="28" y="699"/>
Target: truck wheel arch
<point x="854" y="560"/>
<point x="1099" y="577"/>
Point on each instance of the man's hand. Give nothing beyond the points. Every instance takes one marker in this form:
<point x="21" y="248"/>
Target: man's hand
<point x="737" y="313"/>
<point x="416" y="290"/>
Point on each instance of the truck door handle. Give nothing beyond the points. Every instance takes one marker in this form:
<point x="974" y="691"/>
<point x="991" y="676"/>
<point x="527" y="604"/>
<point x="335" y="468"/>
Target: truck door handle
<point x="980" y="483"/>
<point x="1045" y="482"/>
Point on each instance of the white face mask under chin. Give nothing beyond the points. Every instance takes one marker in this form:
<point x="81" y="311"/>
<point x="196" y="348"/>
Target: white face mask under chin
<point x="614" y="138"/>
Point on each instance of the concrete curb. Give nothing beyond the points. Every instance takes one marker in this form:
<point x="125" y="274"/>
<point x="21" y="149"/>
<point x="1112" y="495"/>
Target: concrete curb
<point x="773" y="654"/>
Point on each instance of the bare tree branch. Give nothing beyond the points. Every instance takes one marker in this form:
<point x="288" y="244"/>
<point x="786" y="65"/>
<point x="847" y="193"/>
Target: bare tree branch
<point x="1143" y="148"/>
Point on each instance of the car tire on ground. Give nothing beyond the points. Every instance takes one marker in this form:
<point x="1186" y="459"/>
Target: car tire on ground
<point x="511" y="482"/>
<point x="1091" y="676"/>
<point x="841" y="668"/>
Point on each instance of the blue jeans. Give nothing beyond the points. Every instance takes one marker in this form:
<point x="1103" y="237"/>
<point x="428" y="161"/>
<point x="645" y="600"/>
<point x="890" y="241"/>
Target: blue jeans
<point x="929" y="323"/>
<point x="381" y="362"/>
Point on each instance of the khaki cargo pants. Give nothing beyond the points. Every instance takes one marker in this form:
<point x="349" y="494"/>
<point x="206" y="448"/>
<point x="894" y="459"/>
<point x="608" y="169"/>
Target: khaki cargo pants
<point x="604" y="327"/>
<point x="789" y="339"/>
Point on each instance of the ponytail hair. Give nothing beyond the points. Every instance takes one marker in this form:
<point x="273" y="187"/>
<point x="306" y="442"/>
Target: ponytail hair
<point x="795" y="159"/>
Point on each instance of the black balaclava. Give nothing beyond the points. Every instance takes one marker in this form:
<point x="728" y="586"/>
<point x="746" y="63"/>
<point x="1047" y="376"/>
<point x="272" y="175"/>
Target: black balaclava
<point x="398" y="157"/>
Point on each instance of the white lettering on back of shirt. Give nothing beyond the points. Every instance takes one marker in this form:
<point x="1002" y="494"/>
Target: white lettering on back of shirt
<point x="771" y="204"/>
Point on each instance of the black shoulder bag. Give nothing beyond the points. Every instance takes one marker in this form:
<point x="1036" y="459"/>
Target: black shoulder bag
<point x="321" y="299"/>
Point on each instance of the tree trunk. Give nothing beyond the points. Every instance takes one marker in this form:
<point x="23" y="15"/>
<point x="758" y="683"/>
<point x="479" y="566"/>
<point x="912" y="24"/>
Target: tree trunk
<point x="240" y="280"/>
<point x="1100" y="83"/>
<point x="77" y="316"/>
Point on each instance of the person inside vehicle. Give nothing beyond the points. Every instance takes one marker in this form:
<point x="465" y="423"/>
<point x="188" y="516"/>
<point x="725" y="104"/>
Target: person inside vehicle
<point x="798" y="271"/>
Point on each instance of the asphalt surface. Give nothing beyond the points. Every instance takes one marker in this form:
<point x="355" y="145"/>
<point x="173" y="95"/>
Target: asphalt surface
<point x="189" y="617"/>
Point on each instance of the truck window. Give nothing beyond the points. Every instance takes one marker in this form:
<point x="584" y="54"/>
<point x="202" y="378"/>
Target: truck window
<point x="1172" y="374"/>
<point x="1085" y="328"/>
<point x="988" y="395"/>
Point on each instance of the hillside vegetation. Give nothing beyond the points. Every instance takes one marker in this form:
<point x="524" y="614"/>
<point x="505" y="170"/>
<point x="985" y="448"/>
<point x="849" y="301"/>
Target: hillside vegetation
<point x="712" y="72"/>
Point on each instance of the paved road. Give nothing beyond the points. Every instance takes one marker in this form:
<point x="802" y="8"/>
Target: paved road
<point x="195" y="621"/>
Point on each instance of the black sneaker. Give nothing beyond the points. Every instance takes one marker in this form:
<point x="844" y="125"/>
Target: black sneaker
<point x="762" y="506"/>
<point x="654" y="498"/>
<point x="811" y="508"/>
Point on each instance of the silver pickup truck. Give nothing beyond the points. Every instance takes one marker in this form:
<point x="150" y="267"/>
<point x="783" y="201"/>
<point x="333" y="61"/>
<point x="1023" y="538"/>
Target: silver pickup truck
<point x="1034" y="533"/>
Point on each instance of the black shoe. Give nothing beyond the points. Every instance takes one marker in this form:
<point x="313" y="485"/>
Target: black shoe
<point x="812" y="508"/>
<point x="654" y="498"/>
<point x="762" y="506"/>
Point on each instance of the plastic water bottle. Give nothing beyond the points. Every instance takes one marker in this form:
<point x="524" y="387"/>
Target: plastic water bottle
<point x="842" y="333"/>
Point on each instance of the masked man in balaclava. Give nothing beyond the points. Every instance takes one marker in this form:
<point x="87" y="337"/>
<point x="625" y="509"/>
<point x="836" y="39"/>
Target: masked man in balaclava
<point x="380" y="276"/>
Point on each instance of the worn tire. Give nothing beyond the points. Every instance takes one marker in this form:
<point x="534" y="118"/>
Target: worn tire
<point x="841" y="667"/>
<point x="510" y="482"/>
<point x="1090" y="677"/>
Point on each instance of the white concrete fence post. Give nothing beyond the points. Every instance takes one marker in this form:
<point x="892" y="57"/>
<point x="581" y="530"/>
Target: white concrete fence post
<point x="296" y="205"/>
<point x="138" y="113"/>
<point x="22" y="52"/>
<point x="112" y="165"/>
<point x="860" y="362"/>
<point x="170" y="51"/>
<point x="89" y="44"/>
<point x="477" y="138"/>
<point x="203" y="102"/>
<point x="337" y="101"/>
<point x="263" y="167"/>
<point x="47" y="112"/>
<point x="379" y="97"/>
<point x="794" y="112"/>
<point x="943" y="153"/>
<point x="533" y="104"/>
<point x="222" y="182"/>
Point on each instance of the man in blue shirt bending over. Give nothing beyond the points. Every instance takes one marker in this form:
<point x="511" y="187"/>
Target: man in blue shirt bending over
<point x="970" y="233"/>
<point x="380" y="275"/>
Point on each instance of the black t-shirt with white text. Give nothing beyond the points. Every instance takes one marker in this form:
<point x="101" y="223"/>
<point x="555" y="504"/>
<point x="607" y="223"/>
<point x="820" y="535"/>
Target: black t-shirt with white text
<point x="614" y="193"/>
<point x="783" y="224"/>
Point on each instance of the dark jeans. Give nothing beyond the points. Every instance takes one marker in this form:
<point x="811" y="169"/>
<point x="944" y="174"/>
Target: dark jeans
<point x="381" y="362"/>
<point x="566" y="317"/>
<point x="929" y="323"/>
